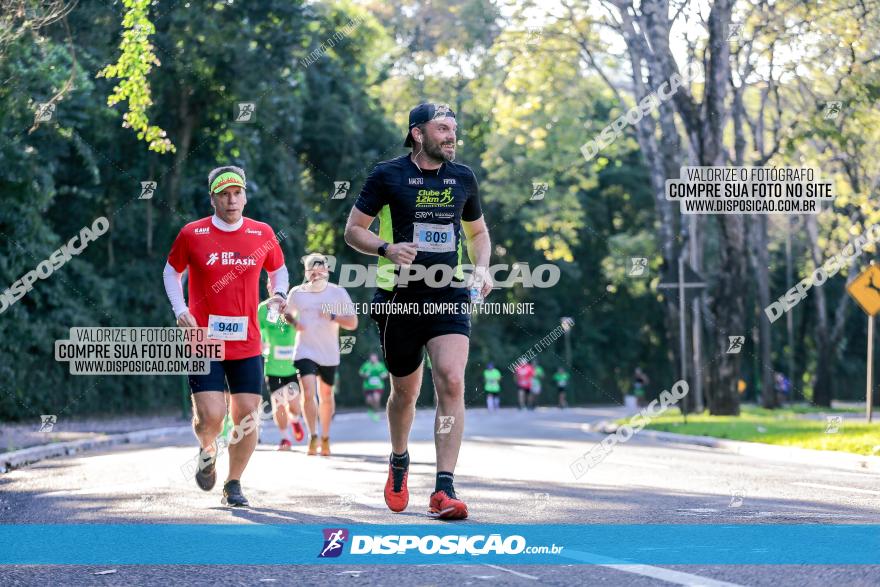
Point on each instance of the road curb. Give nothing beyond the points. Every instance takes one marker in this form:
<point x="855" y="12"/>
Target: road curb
<point x="791" y="454"/>
<point x="27" y="456"/>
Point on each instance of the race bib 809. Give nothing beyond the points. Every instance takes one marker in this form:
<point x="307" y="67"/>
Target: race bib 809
<point x="436" y="238"/>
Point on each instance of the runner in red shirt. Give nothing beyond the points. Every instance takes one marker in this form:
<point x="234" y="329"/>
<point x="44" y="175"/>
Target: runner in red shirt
<point x="524" y="374"/>
<point x="225" y="254"/>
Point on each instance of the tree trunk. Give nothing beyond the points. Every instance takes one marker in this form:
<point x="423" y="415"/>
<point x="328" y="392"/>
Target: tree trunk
<point x="822" y="383"/>
<point x="762" y="275"/>
<point x="187" y="123"/>
<point x="148" y="227"/>
<point x="662" y="164"/>
<point x="800" y="345"/>
<point x="111" y="257"/>
<point x="729" y="309"/>
<point x="704" y="124"/>
<point x="728" y="304"/>
<point x="757" y="236"/>
<point x="796" y="394"/>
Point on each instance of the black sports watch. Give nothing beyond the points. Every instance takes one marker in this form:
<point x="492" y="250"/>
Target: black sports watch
<point x="383" y="248"/>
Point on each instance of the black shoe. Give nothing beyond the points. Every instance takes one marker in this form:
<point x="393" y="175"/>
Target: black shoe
<point x="206" y="473"/>
<point x="232" y="495"/>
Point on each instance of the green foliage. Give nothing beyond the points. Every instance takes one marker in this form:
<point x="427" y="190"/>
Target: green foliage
<point x="136" y="60"/>
<point x="82" y="165"/>
<point x="784" y="427"/>
<point x="525" y="104"/>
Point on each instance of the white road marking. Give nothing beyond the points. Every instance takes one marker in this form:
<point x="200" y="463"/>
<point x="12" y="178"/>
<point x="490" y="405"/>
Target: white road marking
<point x="668" y="575"/>
<point x="270" y="514"/>
<point x="750" y="514"/>
<point x="836" y="487"/>
<point x="374" y="504"/>
<point x="804" y="515"/>
<point x="517" y="573"/>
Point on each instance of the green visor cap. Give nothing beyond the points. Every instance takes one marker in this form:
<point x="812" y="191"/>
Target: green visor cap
<point x="224" y="180"/>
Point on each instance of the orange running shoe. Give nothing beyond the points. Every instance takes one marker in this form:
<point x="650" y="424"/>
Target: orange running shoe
<point x="396" y="492"/>
<point x="313" y="445"/>
<point x="444" y="507"/>
<point x="298" y="433"/>
<point x="325" y="446"/>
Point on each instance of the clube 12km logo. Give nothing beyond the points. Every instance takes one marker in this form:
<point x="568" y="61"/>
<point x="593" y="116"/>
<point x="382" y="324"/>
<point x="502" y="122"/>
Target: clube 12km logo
<point x="335" y="540"/>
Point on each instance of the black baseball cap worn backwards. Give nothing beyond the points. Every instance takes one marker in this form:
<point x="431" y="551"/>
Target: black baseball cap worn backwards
<point x="425" y="113"/>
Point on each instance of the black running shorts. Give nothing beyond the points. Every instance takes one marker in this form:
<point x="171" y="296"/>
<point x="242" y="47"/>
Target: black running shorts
<point x="274" y="383"/>
<point x="404" y="332"/>
<point x="309" y="367"/>
<point x="241" y="375"/>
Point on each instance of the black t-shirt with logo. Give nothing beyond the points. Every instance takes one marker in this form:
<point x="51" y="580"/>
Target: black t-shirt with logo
<point x="422" y="207"/>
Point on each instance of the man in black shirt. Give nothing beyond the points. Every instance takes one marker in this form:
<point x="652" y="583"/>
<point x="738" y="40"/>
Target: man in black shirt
<point x="424" y="200"/>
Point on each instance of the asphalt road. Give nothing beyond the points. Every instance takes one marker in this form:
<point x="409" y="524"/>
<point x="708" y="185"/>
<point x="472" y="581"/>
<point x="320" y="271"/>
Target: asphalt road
<point x="514" y="468"/>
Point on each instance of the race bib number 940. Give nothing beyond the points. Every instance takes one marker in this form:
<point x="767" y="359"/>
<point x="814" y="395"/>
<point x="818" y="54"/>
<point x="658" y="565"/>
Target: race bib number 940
<point x="437" y="238"/>
<point x="227" y="327"/>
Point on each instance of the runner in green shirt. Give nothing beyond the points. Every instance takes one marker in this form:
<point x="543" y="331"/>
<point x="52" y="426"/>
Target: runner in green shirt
<point x="561" y="378"/>
<point x="374" y="374"/>
<point x="492" y="386"/>
<point x="278" y="339"/>
<point x="535" y="390"/>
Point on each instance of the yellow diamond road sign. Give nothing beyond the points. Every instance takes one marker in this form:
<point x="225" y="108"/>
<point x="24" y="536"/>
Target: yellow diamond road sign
<point x="865" y="289"/>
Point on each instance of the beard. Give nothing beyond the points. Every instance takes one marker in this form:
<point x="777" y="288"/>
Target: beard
<point x="435" y="151"/>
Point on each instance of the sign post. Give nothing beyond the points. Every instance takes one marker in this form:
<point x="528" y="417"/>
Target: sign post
<point x="865" y="290"/>
<point x="687" y="283"/>
<point x="869" y="399"/>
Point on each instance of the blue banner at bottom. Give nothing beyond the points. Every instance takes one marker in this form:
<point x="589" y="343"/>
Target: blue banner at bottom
<point x="247" y="544"/>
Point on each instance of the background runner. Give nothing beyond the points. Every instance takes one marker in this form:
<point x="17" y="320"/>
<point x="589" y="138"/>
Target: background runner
<point x="492" y="387"/>
<point x="279" y="339"/>
<point x="374" y="374"/>
<point x="316" y="354"/>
